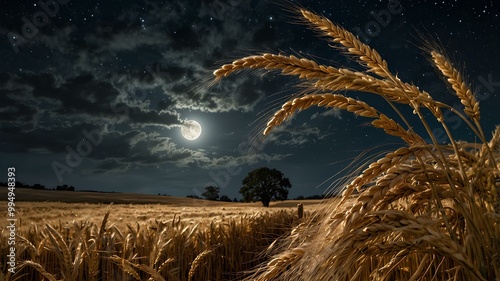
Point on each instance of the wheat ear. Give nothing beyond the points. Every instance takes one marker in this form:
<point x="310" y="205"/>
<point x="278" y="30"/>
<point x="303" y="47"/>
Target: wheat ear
<point x="62" y="249"/>
<point x="126" y="266"/>
<point x="280" y="264"/>
<point x="462" y="90"/>
<point x="289" y="65"/>
<point x="197" y="261"/>
<point x="357" y="107"/>
<point x="368" y="57"/>
<point x="38" y="267"/>
<point x="327" y="100"/>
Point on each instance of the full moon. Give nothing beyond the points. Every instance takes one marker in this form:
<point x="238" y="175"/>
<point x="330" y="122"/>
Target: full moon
<point x="191" y="130"/>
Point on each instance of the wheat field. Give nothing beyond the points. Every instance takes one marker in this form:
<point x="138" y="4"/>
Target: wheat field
<point x="425" y="211"/>
<point x="82" y="241"/>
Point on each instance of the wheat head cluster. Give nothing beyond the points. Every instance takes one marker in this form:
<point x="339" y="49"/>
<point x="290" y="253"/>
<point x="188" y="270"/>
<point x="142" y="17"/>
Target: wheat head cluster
<point x="425" y="211"/>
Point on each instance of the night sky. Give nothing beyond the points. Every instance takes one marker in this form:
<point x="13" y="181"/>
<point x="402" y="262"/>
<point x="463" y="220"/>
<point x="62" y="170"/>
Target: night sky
<point x="94" y="95"/>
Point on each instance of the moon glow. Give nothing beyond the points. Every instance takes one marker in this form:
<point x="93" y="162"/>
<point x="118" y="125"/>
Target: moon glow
<point x="191" y="130"/>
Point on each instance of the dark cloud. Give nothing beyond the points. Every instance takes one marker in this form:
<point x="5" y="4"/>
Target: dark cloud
<point x="241" y="95"/>
<point x="108" y="166"/>
<point x="243" y="160"/>
<point x="153" y="117"/>
<point x="84" y="97"/>
<point x="190" y="43"/>
<point x="101" y="93"/>
<point x="165" y="104"/>
<point x="14" y="110"/>
<point x="292" y="135"/>
<point x="42" y="139"/>
<point x="118" y="39"/>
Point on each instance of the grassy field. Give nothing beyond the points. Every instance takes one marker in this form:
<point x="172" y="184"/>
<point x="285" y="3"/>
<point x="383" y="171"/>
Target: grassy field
<point x="61" y="236"/>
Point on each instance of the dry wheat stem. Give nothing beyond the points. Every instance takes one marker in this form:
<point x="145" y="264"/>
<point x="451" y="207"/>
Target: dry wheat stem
<point x="435" y="195"/>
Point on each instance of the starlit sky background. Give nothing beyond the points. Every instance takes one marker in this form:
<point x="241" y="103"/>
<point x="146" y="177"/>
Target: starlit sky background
<point x="121" y="77"/>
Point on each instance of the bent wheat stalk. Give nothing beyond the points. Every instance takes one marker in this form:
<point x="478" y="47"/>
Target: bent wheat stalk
<point x="426" y="211"/>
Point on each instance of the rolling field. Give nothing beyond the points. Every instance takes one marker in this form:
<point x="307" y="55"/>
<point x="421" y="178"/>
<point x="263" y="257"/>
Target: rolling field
<point x="60" y="235"/>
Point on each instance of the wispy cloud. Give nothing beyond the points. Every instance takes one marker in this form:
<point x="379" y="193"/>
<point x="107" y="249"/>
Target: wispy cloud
<point x="337" y="113"/>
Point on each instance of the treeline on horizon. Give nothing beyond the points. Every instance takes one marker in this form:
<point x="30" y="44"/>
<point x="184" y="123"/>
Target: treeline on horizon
<point x="224" y="198"/>
<point x="19" y="184"/>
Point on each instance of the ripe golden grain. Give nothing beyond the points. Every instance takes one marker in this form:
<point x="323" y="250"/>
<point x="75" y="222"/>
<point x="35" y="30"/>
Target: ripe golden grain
<point x="427" y="211"/>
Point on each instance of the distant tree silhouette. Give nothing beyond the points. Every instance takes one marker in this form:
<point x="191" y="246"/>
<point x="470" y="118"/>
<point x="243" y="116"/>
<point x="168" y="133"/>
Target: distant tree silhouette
<point x="38" y="186"/>
<point x="264" y="185"/>
<point x="225" y="198"/>
<point x="193" y="196"/>
<point x="65" y="187"/>
<point x="22" y="185"/>
<point x="211" y="192"/>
